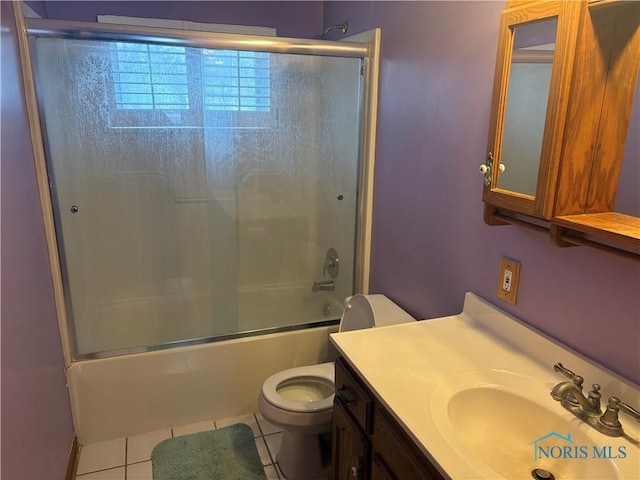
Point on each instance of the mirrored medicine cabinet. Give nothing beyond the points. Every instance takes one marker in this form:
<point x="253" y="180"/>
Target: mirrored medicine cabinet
<point x="563" y="151"/>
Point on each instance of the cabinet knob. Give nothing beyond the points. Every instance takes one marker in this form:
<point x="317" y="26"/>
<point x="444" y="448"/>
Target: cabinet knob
<point x="485" y="169"/>
<point x="346" y="398"/>
<point x="355" y="471"/>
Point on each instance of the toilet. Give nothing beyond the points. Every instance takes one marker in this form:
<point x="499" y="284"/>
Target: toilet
<point x="300" y="400"/>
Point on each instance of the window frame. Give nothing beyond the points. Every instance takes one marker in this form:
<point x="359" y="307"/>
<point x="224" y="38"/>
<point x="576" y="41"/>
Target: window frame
<point x="196" y="115"/>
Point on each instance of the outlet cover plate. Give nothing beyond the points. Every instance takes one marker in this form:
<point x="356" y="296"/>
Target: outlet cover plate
<point x="508" y="290"/>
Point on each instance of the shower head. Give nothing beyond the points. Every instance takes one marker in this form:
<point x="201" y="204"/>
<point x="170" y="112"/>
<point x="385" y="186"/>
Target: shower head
<point x="343" y="26"/>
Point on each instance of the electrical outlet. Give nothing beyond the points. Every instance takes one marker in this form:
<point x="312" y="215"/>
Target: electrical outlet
<point x="507" y="275"/>
<point x="508" y="279"/>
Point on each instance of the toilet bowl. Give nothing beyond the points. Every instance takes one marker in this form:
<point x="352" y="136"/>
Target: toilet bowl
<point x="300" y="400"/>
<point x="306" y="391"/>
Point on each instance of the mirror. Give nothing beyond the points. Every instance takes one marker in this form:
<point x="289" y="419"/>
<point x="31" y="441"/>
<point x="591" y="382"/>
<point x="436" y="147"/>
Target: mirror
<point x="628" y="195"/>
<point x="526" y="105"/>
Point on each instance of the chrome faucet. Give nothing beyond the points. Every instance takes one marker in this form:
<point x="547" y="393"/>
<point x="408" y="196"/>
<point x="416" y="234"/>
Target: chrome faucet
<point x="327" y="286"/>
<point x="570" y="395"/>
<point x="587" y="409"/>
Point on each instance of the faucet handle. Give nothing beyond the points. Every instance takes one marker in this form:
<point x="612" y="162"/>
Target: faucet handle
<point x="609" y="419"/>
<point x="628" y="409"/>
<point x="609" y="424"/>
<point x="577" y="379"/>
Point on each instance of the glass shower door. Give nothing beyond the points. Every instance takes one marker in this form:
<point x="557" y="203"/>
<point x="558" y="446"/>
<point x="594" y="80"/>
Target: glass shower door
<point x="197" y="191"/>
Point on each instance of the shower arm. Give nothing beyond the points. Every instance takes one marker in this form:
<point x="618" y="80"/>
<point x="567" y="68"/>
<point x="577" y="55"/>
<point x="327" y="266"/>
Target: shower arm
<point x="343" y="26"/>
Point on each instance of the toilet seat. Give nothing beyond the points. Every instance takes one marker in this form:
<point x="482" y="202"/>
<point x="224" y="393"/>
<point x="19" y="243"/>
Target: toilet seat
<point x="322" y="374"/>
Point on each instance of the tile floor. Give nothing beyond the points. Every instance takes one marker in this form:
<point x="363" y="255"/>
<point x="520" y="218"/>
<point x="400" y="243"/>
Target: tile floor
<point x="129" y="458"/>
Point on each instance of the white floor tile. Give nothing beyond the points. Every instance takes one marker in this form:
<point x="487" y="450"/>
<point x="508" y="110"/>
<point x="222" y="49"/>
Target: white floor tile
<point x="266" y="427"/>
<point x="263" y="452"/>
<point x="102" y="455"/>
<point x="193" y="428"/>
<point x="271" y="473"/>
<point x="273" y="443"/>
<point x="139" y="447"/>
<point x="139" y="471"/>
<point x="249" y="419"/>
<point x="111" y="474"/>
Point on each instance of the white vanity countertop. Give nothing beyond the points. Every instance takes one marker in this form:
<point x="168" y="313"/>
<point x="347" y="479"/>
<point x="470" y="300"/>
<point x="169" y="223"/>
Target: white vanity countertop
<point x="407" y="365"/>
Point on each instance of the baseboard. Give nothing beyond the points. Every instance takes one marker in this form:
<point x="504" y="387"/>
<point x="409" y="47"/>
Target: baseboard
<point x="74" y="458"/>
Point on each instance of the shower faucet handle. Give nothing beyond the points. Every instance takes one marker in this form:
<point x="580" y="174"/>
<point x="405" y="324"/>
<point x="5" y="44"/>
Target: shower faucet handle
<point x="331" y="268"/>
<point x="331" y="263"/>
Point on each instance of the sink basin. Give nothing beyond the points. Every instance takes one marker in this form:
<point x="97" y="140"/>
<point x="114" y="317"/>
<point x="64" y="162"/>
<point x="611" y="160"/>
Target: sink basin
<point x="508" y="423"/>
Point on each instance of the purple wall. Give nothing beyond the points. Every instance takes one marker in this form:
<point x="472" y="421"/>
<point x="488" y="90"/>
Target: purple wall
<point x="36" y="418"/>
<point x="291" y="19"/>
<point x="430" y="245"/>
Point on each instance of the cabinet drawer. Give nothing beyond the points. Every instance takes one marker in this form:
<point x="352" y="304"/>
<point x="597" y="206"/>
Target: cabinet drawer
<point x="397" y="453"/>
<point x="354" y="396"/>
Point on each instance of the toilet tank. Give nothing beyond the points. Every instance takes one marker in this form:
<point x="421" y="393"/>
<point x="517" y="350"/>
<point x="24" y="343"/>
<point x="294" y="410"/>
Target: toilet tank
<point x="368" y="311"/>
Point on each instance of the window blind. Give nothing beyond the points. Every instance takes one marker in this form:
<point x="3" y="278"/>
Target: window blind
<point x="149" y="77"/>
<point x="236" y="81"/>
<point x="156" y="77"/>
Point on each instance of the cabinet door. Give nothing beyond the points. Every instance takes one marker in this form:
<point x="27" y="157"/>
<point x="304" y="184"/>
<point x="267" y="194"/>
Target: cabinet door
<point x="350" y="448"/>
<point x="379" y="470"/>
<point x="395" y="455"/>
<point x="534" y="65"/>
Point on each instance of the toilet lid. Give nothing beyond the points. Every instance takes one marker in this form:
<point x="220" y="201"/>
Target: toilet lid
<point x="296" y="389"/>
<point x="368" y="311"/>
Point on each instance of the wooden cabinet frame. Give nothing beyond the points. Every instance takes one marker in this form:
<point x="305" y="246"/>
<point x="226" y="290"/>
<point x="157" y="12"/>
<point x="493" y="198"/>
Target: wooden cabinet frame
<point x="594" y="74"/>
<point x="608" y="48"/>
<point x="568" y="15"/>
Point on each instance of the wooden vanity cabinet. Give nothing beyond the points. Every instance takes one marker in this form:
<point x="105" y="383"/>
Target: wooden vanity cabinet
<point x="395" y="455"/>
<point x="368" y="444"/>
<point x="596" y="58"/>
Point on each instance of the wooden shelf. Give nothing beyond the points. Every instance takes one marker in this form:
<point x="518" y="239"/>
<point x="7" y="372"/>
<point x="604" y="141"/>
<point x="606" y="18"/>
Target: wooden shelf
<point x="610" y="231"/>
<point x="610" y="225"/>
<point x="594" y="4"/>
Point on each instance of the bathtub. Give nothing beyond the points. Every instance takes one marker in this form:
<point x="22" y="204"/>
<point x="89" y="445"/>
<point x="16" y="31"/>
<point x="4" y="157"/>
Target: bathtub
<point x="131" y="394"/>
<point x="130" y="322"/>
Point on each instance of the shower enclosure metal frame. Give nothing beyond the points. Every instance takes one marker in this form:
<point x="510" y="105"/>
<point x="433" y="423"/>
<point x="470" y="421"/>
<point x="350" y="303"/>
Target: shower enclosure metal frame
<point x="368" y="53"/>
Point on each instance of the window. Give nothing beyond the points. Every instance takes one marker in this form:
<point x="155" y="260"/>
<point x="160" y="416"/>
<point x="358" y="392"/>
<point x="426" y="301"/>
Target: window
<point x="236" y="81"/>
<point x="149" y="77"/>
<point x="178" y="85"/>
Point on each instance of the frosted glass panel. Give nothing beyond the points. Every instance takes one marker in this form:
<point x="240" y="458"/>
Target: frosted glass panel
<point x="198" y="191"/>
<point x="526" y="105"/>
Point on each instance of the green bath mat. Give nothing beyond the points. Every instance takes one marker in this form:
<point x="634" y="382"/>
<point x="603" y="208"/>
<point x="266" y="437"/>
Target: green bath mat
<point x="229" y="453"/>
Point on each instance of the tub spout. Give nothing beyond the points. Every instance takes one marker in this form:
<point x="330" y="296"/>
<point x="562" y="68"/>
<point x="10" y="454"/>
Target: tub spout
<point x="327" y="286"/>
